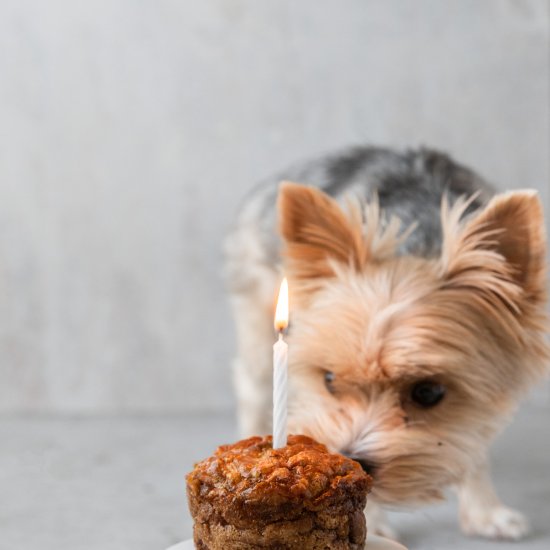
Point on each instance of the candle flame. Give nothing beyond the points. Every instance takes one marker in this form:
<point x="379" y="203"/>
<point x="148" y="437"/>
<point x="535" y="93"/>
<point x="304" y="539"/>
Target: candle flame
<point x="281" y="313"/>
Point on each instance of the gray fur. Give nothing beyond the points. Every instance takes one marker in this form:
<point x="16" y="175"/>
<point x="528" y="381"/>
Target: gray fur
<point x="409" y="185"/>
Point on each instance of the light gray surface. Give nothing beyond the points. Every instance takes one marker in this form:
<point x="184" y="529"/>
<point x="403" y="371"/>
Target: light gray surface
<point x="118" y="483"/>
<point x="131" y="130"/>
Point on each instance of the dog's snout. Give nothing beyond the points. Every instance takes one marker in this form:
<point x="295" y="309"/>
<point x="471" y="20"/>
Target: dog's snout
<point x="367" y="466"/>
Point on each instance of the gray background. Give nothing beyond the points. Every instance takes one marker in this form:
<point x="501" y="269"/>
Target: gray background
<point x="129" y="133"/>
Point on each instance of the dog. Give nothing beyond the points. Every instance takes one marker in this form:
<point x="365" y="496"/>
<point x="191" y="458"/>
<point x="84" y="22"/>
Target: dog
<point x="418" y="320"/>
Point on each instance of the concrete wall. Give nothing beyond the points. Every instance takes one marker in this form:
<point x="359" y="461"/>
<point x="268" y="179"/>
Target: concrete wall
<point x="129" y="131"/>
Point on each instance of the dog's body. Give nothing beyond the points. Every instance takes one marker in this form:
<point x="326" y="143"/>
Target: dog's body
<point x="409" y="349"/>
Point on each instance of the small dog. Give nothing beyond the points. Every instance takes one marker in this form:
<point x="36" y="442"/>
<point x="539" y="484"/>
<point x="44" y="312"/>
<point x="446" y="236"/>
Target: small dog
<point x="418" y="320"/>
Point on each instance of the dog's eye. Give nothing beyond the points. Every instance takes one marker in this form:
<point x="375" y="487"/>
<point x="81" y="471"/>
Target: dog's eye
<point x="329" y="379"/>
<point x="427" y="393"/>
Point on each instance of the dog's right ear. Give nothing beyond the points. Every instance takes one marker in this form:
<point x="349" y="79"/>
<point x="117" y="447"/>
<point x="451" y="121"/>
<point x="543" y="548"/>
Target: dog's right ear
<point x="500" y="251"/>
<point x="317" y="233"/>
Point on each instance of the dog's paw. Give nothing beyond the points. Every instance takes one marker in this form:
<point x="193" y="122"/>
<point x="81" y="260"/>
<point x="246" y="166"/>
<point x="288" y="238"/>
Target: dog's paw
<point x="496" y="523"/>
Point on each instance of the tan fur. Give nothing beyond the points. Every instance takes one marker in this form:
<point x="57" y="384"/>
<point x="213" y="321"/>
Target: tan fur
<point x="473" y="319"/>
<point x="318" y="233"/>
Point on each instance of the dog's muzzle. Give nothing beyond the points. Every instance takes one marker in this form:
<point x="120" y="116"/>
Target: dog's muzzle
<point x="367" y="466"/>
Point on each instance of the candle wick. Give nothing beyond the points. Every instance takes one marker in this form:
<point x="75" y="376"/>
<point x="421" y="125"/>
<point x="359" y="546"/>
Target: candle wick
<point x="280" y="335"/>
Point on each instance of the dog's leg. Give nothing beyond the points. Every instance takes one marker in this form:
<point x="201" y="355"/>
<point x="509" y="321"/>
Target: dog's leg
<point x="253" y="281"/>
<point x="253" y="365"/>
<point x="377" y="521"/>
<point x="482" y="513"/>
<point x="252" y="276"/>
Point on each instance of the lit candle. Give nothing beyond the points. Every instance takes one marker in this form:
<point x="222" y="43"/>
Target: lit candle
<point x="280" y="369"/>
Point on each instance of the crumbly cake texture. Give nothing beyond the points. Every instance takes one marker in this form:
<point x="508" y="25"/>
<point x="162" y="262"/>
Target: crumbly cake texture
<point x="249" y="495"/>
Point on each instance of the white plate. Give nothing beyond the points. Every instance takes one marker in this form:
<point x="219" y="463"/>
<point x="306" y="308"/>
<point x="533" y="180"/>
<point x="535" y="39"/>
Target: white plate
<point x="373" y="543"/>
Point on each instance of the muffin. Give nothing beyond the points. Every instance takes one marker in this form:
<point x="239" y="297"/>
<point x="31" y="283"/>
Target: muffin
<point x="249" y="495"/>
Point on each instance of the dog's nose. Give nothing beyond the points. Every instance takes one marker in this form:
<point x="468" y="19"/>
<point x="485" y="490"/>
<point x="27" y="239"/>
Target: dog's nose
<point x="367" y="466"/>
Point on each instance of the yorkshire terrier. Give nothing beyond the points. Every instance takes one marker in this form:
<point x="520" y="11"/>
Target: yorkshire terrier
<point x="418" y="320"/>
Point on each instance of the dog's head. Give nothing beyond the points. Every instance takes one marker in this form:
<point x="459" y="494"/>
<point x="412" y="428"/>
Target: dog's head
<point x="407" y="364"/>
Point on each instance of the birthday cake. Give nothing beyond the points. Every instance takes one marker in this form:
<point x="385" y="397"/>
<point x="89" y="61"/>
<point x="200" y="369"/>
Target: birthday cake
<point x="249" y="495"/>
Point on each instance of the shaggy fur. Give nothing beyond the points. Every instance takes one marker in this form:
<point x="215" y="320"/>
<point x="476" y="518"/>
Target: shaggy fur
<point x="378" y="305"/>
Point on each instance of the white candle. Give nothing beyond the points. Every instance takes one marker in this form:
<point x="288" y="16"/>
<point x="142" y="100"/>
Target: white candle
<point x="280" y="370"/>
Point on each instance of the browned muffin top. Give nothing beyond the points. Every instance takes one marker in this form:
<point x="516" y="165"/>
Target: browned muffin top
<point x="253" y="475"/>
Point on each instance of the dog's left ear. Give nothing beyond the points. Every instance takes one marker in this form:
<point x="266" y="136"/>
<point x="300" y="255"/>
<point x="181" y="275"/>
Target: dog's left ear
<point x="501" y="250"/>
<point x="317" y="233"/>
